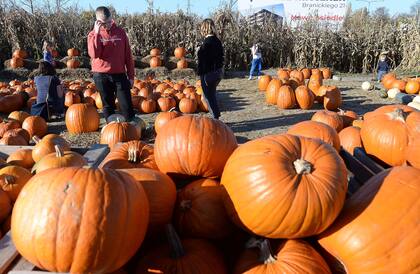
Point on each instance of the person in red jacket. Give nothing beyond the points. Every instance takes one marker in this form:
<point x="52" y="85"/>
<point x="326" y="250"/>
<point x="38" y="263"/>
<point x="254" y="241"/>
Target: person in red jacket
<point x="112" y="64"/>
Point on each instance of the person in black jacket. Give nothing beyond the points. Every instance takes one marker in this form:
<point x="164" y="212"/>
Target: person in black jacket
<point x="383" y="67"/>
<point x="210" y="65"/>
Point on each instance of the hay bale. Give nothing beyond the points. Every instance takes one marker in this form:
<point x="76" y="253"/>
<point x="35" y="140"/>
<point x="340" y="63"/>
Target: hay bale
<point x="171" y="63"/>
<point x="183" y="73"/>
<point x="84" y="61"/>
<point x="159" y="72"/>
<point x="72" y="74"/>
<point x="19" y="73"/>
<point x="27" y="63"/>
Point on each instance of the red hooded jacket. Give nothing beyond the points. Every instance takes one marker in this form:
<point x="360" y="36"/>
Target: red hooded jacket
<point x="110" y="51"/>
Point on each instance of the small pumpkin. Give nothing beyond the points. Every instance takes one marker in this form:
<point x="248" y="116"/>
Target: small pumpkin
<point x="263" y="82"/>
<point x="19" y="116"/>
<point x="348" y="116"/>
<point x="82" y="118"/>
<point x="297" y="74"/>
<point x="332" y="97"/>
<point x="16" y="63"/>
<point x="326" y="73"/>
<point x="283" y="74"/>
<point x="166" y="103"/>
<point x="187" y="105"/>
<point x="72" y="63"/>
<point x="304" y="97"/>
<point x="350" y="139"/>
<point x="155" y="62"/>
<point x="47" y="145"/>
<point x="155" y="52"/>
<point x="7" y="125"/>
<point x="164" y="117"/>
<point x="412" y="87"/>
<point x="330" y="118"/>
<point x="286" y="98"/>
<point x="13" y="141"/>
<point x="72" y="52"/>
<point x="13" y="179"/>
<point x="71" y="98"/>
<point x="35" y="125"/>
<point x="20" y="53"/>
<point x="21" y="157"/>
<point x="399" y="84"/>
<point x="182" y="64"/>
<point x="118" y="132"/>
<point x="306" y="73"/>
<point x="58" y="159"/>
<point x="179" y="52"/>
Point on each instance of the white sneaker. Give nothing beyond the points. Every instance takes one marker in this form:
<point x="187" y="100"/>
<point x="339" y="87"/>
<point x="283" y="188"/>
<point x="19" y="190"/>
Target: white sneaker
<point x="250" y="78"/>
<point x="259" y="77"/>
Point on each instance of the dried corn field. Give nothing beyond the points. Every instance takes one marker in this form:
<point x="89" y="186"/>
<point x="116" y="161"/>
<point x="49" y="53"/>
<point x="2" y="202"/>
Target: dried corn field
<point x="352" y="48"/>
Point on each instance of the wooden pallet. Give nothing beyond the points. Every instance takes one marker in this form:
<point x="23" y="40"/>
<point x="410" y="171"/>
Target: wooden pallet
<point x="10" y="260"/>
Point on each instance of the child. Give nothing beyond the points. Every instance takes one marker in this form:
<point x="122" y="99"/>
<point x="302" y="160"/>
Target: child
<point x="256" y="60"/>
<point x="47" y="52"/>
<point x="383" y="67"/>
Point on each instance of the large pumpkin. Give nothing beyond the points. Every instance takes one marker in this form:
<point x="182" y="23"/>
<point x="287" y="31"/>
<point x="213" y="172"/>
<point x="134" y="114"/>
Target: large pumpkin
<point x="263" y="82"/>
<point x="314" y="84"/>
<point x="329" y="118"/>
<point x="60" y="158"/>
<point x="286" y="98"/>
<point x="412" y="87"/>
<point x="316" y="130"/>
<point x="21" y="157"/>
<point x="161" y="194"/>
<point x="132" y="154"/>
<point x="304" y="97"/>
<point x="332" y="97"/>
<point x="413" y="152"/>
<point x="76" y="216"/>
<point x="285" y="186"/>
<point x="35" y="125"/>
<point x="82" y="118"/>
<point x="47" y="145"/>
<point x="189" y="256"/>
<point x="13" y="179"/>
<point x="199" y="211"/>
<point x="350" y="139"/>
<point x="164" y="117"/>
<point x="386" y="135"/>
<point x="385" y="207"/>
<point x="290" y="256"/>
<point x="272" y="91"/>
<point x="193" y="145"/>
<point x="117" y="132"/>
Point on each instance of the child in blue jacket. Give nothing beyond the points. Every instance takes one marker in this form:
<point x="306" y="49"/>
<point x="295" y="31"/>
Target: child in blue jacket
<point x="383" y="67"/>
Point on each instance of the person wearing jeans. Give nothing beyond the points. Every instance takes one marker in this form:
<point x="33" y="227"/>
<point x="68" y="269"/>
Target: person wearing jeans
<point x="112" y="64"/>
<point x="256" y="61"/>
<point x="383" y="67"/>
<point x="210" y="65"/>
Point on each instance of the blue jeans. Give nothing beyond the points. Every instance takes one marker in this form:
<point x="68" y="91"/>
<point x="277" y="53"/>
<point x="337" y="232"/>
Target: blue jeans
<point x="209" y="83"/>
<point x="256" y="63"/>
<point x="381" y="74"/>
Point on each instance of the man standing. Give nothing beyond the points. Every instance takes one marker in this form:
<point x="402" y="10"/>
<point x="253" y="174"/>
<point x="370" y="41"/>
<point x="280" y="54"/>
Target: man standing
<point x="112" y="62"/>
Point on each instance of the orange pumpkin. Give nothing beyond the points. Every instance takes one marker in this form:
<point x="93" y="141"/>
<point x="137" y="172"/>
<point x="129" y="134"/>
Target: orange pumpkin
<point x="297" y="74"/>
<point x="19" y="116"/>
<point x="348" y="117"/>
<point x="161" y="194"/>
<point x="272" y="91"/>
<point x="350" y="139"/>
<point x="179" y="52"/>
<point x="16" y="63"/>
<point x="314" y="84"/>
<point x="306" y="73"/>
<point x="82" y="118"/>
<point x="199" y="211"/>
<point x="13" y="179"/>
<point x="155" y="62"/>
<point x="357" y="123"/>
<point x="72" y="52"/>
<point x="326" y="73"/>
<point x="35" y="125"/>
<point x="388" y="80"/>
<point x="193" y="145"/>
<point x="187" y="105"/>
<point x="304" y="97"/>
<point x="13" y="141"/>
<point x="283" y="74"/>
<point x="58" y="159"/>
<point x="263" y="82"/>
<point x="412" y="152"/>
<point x="412" y="87"/>
<point x="7" y="125"/>
<point x="399" y="84"/>
<point x="71" y="98"/>
<point x="285" y="186"/>
<point x="182" y="64"/>
<point x="291" y="256"/>
<point x="166" y="103"/>
<point x="155" y="52"/>
<point x="18" y="132"/>
<point x="332" y="97"/>
<point x="21" y="157"/>
<point x="72" y="63"/>
<point x="71" y="212"/>
<point x="117" y="132"/>
<point x="163" y="118"/>
<point x="19" y="53"/>
<point x="316" y="130"/>
<point x="286" y="98"/>
<point x="386" y="206"/>
<point x="47" y="145"/>
<point x="5" y="206"/>
<point x="329" y="118"/>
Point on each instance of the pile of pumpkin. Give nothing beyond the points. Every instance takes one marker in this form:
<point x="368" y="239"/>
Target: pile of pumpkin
<point x="290" y="91"/>
<point x="20" y="127"/>
<point x="179" y="53"/>
<point x="398" y="87"/>
<point x="16" y="95"/>
<point x="272" y="205"/>
<point x="18" y="58"/>
<point x="72" y="62"/>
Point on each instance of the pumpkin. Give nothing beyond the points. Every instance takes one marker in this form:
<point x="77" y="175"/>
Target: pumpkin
<point x="306" y="73"/>
<point x="155" y="62"/>
<point x="58" y="159"/>
<point x="132" y="154"/>
<point x="412" y="152"/>
<point x="304" y="97"/>
<point x="12" y="102"/>
<point x="412" y="87"/>
<point x="182" y="64"/>
<point x="386" y="206"/>
<point x="263" y="82"/>
<point x="399" y="84"/>
<point x="72" y="52"/>
<point x="35" y="126"/>
<point x="179" y="52"/>
<point x="283" y="74"/>
<point x="19" y="53"/>
<point x="21" y="157"/>
<point x="186" y="256"/>
<point x="330" y="118"/>
<point x="166" y="103"/>
<point x="367" y="86"/>
<point x="387" y="109"/>
<point x="13" y="179"/>
<point x="30" y="102"/>
<point x="71" y="98"/>
<point x="72" y="212"/>
<point x="16" y="63"/>
<point x="148" y="106"/>
<point x="286" y="98"/>
<point x="164" y="117"/>
<point x="47" y="145"/>
<point x="297" y="74"/>
<point x="72" y="63"/>
<point x="291" y="256"/>
<point x="326" y="73"/>
<point x="285" y="186"/>
<point x="317" y="73"/>
<point x="162" y="87"/>
<point x="348" y="116"/>
<point x="19" y="116"/>
<point x="317" y="130"/>
<point x="117" y="132"/>
<point x="272" y="91"/>
<point x="187" y="105"/>
<point x="386" y="135"/>
<point x="5" y="206"/>
<point x="332" y="97"/>
<point x="155" y="52"/>
<point x="89" y="101"/>
<point x="193" y="145"/>
<point x="314" y="84"/>
<point x="13" y="141"/>
<point x="357" y="123"/>
<point x="82" y="118"/>
<point x="350" y="139"/>
<point x="161" y="194"/>
<point x="199" y="211"/>
<point x="7" y="125"/>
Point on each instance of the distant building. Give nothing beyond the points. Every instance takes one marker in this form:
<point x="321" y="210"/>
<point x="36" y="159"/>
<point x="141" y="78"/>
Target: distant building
<point x="262" y="16"/>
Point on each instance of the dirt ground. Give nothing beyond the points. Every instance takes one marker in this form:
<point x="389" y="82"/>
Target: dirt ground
<point x="244" y="109"/>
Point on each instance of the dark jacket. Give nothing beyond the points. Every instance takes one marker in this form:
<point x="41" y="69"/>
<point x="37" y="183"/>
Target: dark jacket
<point x="210" y="55"/>
<point x="47" y="90"/>
<point x="383" y="66"/>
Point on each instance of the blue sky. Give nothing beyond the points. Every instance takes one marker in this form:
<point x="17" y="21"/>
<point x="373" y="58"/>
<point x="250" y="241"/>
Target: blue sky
<point x="203" y="7"/>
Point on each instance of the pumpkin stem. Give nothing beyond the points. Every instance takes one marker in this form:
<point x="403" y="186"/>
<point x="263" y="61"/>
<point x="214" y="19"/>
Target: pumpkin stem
<point x="59" y="152"/>
<point x="185" y="205"/>
<point x="36" y="139"/>
<point x="172" y="109"/>
<point x="266" y="254"/>
<point x="302" y="166"/>
<point x="9" y="179"/>
<point x="177" y="250"/>
<point x="398" y="114"/>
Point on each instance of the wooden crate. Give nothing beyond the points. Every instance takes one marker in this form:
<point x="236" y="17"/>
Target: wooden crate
<point x="10" y="260"/>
